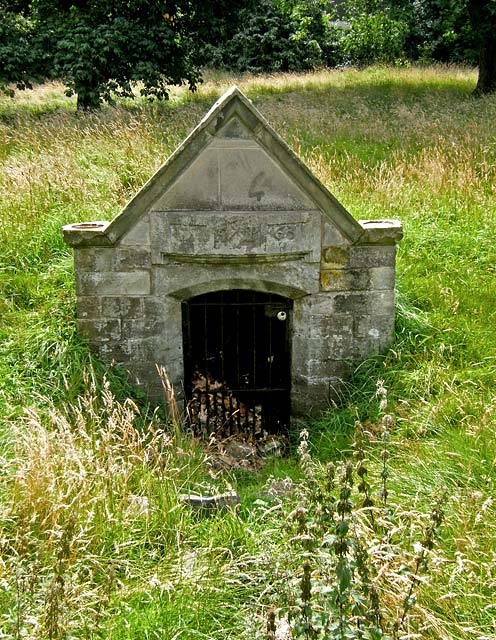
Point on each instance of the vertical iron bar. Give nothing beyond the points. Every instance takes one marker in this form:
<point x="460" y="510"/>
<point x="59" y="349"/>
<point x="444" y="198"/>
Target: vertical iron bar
<point x="238" y="373"/>
<point x="222" y="344"/>
<point x="205" y="360"/>
<point x="254" y="321"/>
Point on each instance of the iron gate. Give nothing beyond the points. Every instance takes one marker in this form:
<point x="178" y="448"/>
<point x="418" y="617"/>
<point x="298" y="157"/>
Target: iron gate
<point x="237" y="362"/>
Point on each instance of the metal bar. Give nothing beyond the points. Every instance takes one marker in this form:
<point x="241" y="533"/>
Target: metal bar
<point x="237" y="343"/>
<point x="222" y="340"/>
<point x="205" y="359"/>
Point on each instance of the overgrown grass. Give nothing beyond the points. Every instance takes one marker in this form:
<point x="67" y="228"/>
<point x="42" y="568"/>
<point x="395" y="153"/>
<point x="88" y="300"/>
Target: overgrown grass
<point x="412" y="144"/>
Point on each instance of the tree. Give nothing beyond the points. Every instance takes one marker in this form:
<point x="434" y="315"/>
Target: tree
<point x="483" y="16"/>
<point x="20" y="62"/>
<point x="100" y="48"/>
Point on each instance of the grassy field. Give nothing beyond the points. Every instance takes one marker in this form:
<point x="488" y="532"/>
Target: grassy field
<point x="94" y="540"/>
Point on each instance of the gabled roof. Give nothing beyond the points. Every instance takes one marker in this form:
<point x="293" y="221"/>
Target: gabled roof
<point x="233" y="110"/>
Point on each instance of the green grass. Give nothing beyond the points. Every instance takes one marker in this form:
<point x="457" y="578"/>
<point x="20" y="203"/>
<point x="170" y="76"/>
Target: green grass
<point x="412" y="144"/>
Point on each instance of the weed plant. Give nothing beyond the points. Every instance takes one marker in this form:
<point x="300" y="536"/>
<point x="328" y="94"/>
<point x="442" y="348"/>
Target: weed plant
<point x="82" y="553"/>
<point x="361" y="557"/>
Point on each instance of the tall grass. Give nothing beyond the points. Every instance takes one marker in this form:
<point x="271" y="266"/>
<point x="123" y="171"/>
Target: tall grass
<point x="94" y="539"/>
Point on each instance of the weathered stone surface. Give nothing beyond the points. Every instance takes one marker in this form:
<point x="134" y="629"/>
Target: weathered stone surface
<point x="122" y="307"/>
<point x="335" y="257"/>
<point x="250" y="179"/>
<point x="131" y="259"/>
<point x="89" y="307"/>
<point x="196" y="189"/>
<point x="91" y="234"/>
<point x="138" y="235"/>
<point x="145" y="328"/>
<point x="106" y="283"/>
<point x="187" y="280"/>
<point x="208" y="237"/>
<point x="93" y="259"/>
<point x="362" y="257"/>
<point x="316" y="304"/>
<point x="344" y="279"/>
<point x="100" y="330"/>
<point x="376" y="329"/>
<point x="378" y="302"/>
<point x="332" y="236"/>
<point x="381" y="232"/>
<point x="382" y="278"/>
<point x="234" y="208"/>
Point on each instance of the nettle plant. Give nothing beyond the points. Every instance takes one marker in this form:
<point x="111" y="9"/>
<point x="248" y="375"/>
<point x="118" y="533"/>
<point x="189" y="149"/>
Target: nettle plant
<point x="361" y="558"/>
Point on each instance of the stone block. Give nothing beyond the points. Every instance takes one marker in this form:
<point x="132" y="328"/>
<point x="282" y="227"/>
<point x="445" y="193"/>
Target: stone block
<point x="321" y="327"/>
<point x="382" y="302"/>
<point x="352" y="303"/>
<point x="317" y="304"/>
<point x="88" y="307"/>
<point x="382" y="278"/>
<point x="312" y="396"/>
<point x="93" y="259"/>
<point x="189" y="280"/>
<point x="329" y="368"/>
<point x="138" y="235"/>
<point x="114" y="353"/>
<point x="131" y="259"/>
<point x="334" y="347"/>
<point x="100" y="330"/>
<point x="113" y="283"/>
<point x="381" y="231"/>
<point x="197" y="188"/>
<point x="144" y="328"/>
<point x="332" y="237"/>
<point x="122" y="307"/>
<point x="377" y="329"/>
<point x="335" y="257"/>
<point x="223" y="236"/>
<point x="155" y="307"/>
<point x="365" y="256"/>
<point x="344" y="279"/>
<point x="251" y="180"/>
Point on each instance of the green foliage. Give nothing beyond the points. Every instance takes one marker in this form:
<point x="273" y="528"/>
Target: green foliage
<point x="437" y="30"/>
<point x="100" y="49"/>
<point x="273" y="36"/>
<point x="20" y="62"/>
<point x="373" y="38"/>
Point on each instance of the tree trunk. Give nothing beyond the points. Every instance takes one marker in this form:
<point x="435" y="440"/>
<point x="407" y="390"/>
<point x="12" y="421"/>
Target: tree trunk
<point x="483" y="18"/>
<point x="487" y="64"/>
<point x="88" y="98"/>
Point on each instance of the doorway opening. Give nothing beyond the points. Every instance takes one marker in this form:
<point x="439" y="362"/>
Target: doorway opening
<point x="237" y="362"/>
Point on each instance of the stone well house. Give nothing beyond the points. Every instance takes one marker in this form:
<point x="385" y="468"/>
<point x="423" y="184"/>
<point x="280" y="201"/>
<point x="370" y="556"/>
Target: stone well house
<point x="235" y="265"/>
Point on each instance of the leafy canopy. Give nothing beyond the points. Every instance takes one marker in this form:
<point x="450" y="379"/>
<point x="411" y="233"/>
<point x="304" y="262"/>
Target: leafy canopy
<point x="98" y="48"/>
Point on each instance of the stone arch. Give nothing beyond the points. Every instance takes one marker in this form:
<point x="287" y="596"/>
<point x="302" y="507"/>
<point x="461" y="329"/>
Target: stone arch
<point x="252" y="284"/>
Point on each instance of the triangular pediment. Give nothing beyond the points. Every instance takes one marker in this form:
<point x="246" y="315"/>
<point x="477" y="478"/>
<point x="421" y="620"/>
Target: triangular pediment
<point x="234" y="161"/>
<point x="233" y="173"/>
